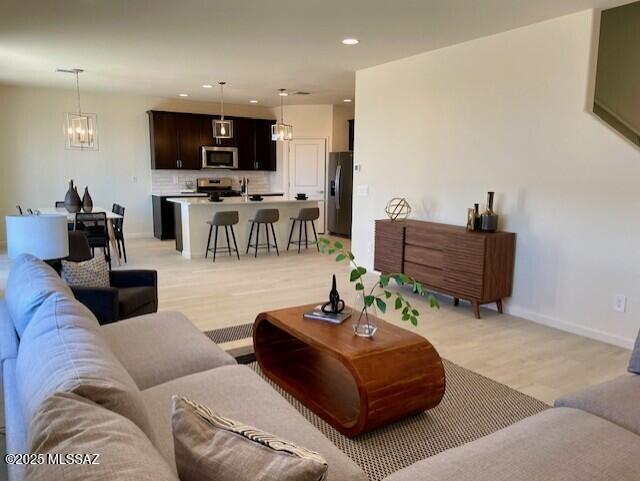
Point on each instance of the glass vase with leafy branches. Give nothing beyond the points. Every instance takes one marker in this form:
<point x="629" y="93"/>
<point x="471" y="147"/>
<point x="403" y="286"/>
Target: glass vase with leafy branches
<point x="379" y="294"/>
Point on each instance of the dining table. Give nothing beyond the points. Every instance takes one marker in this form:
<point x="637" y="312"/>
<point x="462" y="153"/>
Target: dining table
<point x="71" y="216"/>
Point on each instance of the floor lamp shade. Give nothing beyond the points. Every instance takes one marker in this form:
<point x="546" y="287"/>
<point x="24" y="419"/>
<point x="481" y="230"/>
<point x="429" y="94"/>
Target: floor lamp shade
<point x="44" y="236"/>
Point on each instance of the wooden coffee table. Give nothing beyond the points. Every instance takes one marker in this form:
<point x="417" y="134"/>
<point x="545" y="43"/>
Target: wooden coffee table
<point x="355" y="384"/>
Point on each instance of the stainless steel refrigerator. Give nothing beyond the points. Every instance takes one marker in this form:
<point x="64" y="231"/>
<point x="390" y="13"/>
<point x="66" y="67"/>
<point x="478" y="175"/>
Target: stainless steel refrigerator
<point x="340" y="189"/>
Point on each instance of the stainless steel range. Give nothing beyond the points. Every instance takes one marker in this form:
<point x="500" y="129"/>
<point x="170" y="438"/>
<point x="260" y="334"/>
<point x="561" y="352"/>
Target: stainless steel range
<point x="222" y="186"/>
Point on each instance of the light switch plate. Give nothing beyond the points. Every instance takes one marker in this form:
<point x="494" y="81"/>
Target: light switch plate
<point x="363" y="190"/>
<point x="357" y="167"/>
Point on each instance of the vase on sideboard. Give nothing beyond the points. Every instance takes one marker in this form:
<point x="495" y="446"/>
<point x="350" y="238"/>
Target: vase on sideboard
<point x="489" y="219"/>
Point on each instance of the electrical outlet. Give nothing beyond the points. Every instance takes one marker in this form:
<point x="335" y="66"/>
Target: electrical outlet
<point x="134" y="179"/>
<point x="357" y="167"/>
<point x="620" y="303"/>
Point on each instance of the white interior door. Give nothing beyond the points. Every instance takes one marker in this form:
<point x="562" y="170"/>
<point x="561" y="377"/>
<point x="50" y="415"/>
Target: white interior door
<point x="307" y="171"/>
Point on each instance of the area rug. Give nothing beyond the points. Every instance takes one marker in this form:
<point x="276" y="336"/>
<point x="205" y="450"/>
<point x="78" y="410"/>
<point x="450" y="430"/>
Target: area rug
<point x="473" y="406"/>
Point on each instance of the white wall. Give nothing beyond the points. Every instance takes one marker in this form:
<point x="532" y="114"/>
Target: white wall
<point x="508" y="113"/>
<point x="35" y="167"/>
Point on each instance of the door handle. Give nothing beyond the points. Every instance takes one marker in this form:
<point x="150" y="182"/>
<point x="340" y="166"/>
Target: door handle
<point x="338" y="189"/>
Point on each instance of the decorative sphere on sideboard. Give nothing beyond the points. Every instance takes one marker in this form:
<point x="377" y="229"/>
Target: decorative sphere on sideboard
<point x="398" y="209"/>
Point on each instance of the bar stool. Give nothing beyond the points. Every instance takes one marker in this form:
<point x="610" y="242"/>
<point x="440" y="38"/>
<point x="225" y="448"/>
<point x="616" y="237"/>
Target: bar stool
<point x="267" y="217"/>
<point x="227" y="220"/>
<point x="307" y="214"/>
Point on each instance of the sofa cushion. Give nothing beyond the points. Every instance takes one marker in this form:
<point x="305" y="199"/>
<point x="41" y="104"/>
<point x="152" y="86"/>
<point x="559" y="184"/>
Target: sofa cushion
<point x="8" y="335"/>
<point x="238" y="393"/>
<point x="210" y="447"/>
<point x="30" y="282"/>
<point x="617" y="401"/>
<point x="132" y="299"/>
<point x="634" y="363"/>
<point x="68" y="424"/>
<point x="159" y="347"/>
<point x="62" y="351"/>
<point x="557" y="444"/>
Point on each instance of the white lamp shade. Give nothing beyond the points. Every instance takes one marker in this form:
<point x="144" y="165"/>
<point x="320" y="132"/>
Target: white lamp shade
<point x="44" y="236"/>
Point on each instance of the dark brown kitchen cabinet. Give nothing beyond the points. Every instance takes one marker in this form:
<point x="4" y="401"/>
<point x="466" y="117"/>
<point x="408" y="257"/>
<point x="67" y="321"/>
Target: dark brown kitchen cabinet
<point x="245" y="141"/>
<point x="189" y="141"/>
<point x="164" y="140"/>
<point x="177" y="140"/>
<point x="265" y="156"/>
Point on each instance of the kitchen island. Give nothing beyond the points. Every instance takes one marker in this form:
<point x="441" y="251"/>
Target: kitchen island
<point x="192" y="214"/>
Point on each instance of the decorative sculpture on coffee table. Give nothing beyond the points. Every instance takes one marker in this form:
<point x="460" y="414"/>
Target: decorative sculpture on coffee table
<point x="398" y="209"/>
<point x="335" y="304"/>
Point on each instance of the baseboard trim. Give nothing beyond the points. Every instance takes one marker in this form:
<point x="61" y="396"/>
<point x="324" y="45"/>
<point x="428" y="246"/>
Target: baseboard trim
<point x="570" y="327"/>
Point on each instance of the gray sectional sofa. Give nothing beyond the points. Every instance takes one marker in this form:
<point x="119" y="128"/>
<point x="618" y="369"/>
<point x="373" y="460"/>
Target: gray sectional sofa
<point x="71" y="385"/>
<point x="50" y="343"/>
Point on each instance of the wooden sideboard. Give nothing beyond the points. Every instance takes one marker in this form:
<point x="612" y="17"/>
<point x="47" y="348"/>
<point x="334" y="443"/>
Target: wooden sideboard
<point x="475" y="266"/>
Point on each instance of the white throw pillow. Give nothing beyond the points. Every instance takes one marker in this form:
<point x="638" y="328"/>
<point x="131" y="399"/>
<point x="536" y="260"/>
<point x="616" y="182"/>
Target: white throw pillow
<point x="91" y="273"/>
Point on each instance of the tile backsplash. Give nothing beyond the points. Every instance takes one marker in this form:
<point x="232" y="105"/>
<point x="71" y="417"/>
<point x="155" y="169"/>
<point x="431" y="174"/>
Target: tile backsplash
<point x="175" y="180"/>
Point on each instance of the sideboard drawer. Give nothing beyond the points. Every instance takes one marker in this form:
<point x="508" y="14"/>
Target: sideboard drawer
<point x="424" y="255"/>
<point x="424" y="238"/>
<point x="429" y="276"/>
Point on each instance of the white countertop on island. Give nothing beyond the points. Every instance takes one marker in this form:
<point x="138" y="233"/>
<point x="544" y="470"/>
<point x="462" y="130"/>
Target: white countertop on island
<point x="226" y="201"/>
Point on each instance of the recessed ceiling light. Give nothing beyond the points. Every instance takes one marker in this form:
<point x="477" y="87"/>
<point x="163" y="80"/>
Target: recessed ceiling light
<point x="351" y="41"/>
<point x="253" y="101"/>
<point x="283" y="94"/>
<point x="207" y="86"/>
<point x="183" y="95"/>
<point x="348" y="100"/>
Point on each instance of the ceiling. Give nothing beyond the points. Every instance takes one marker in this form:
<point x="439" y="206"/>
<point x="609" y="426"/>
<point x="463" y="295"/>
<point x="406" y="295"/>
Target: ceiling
<point x="167" y="47"/>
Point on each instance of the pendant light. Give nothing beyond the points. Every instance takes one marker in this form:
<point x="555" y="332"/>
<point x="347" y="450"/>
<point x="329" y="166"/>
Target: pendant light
<point x="282" y="131"/>
<point x="222" y="129"/>
<point x="81" y="128"/>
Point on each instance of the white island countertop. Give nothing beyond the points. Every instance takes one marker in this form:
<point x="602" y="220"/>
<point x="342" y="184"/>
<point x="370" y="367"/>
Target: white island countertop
<point x="226" y="201"/>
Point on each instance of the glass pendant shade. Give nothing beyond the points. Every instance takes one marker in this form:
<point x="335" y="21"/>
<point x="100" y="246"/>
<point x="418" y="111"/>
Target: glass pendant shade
<point x="281" y="132"/>
<point x="81" y="131"/>
<point x="223" y="129"/>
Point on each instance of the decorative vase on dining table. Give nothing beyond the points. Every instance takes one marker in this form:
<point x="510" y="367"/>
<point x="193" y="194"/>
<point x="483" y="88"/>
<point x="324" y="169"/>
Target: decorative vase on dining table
<point x="72" y="200"/>
<point x="87" y="201"/>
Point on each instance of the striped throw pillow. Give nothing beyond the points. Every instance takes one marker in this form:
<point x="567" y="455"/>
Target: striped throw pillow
<point x="209" y="447"/>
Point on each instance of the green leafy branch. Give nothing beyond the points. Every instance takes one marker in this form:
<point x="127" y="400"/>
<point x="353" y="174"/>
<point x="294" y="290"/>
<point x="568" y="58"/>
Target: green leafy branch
<point x="379" y="294"/>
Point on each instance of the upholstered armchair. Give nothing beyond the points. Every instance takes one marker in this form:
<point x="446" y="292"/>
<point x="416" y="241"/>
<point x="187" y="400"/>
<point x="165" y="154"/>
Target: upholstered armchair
<point x="131" y="292"/>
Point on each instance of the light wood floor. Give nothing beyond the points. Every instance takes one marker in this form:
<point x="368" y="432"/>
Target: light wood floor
<point x="540" y="361"/>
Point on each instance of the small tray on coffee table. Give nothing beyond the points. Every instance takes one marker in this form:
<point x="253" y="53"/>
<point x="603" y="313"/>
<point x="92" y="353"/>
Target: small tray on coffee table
<point x="355" y="384"/>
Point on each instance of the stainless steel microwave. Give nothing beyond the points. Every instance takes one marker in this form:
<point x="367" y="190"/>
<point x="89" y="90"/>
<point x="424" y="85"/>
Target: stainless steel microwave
<point x="219" y="157"/>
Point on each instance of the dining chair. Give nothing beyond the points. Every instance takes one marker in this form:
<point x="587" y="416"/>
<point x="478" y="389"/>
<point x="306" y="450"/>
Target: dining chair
<point x="19" y="209"/>
<point x="59" y="204"/>
<point x="118" y="230"/>
<point x="94" y="225"/>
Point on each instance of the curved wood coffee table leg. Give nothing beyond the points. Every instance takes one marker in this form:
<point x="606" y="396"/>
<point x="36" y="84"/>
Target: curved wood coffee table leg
<point x="354" y="384"/>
